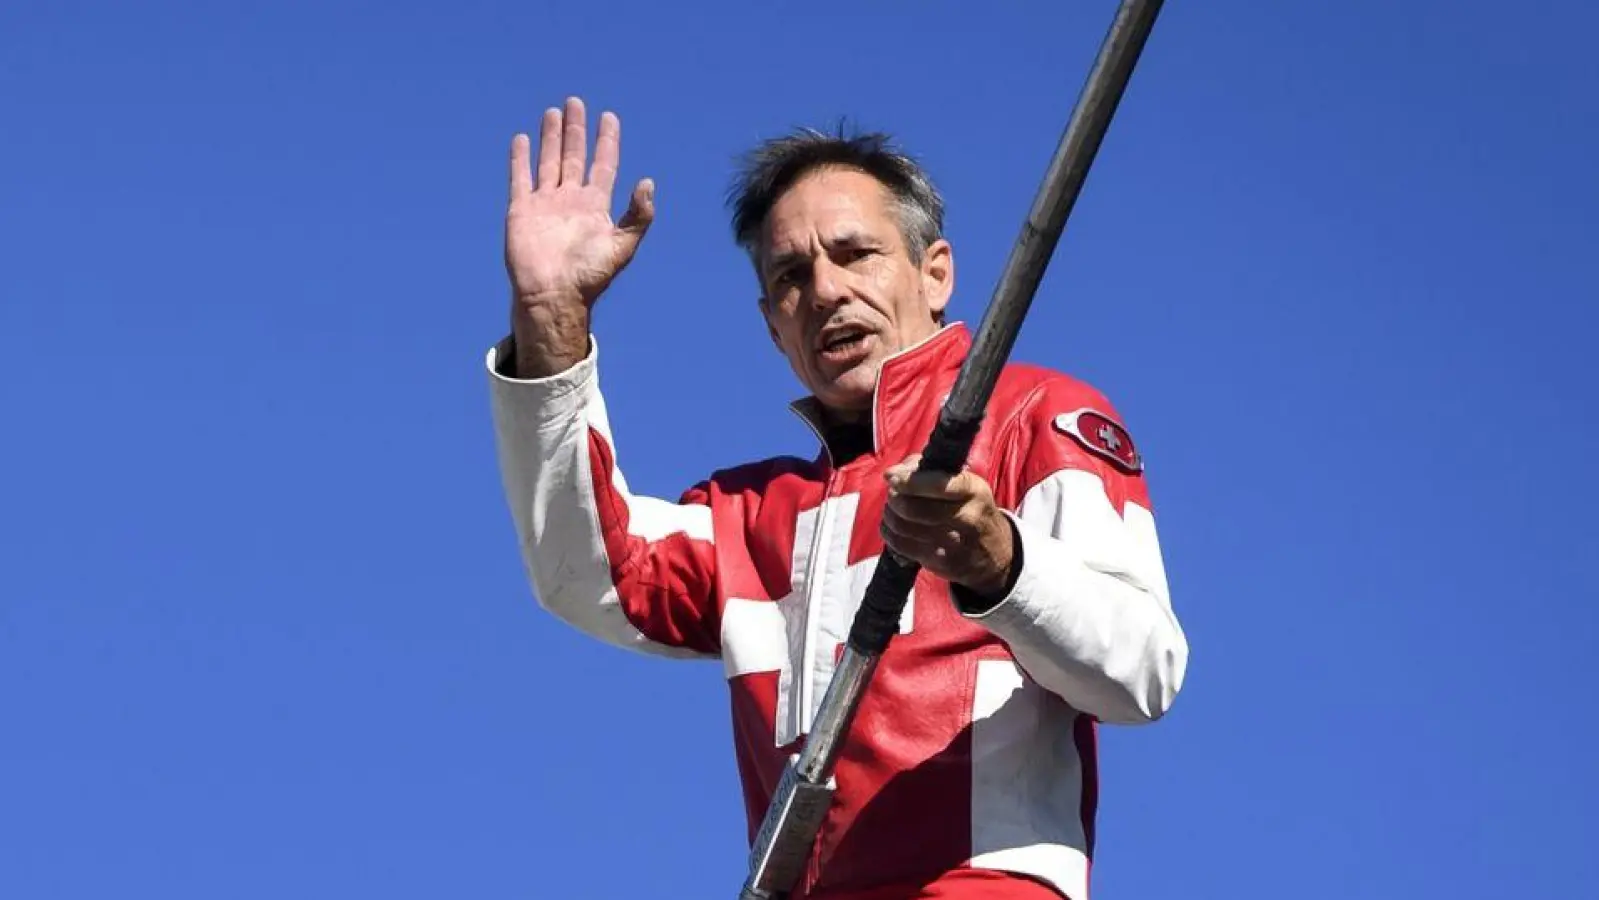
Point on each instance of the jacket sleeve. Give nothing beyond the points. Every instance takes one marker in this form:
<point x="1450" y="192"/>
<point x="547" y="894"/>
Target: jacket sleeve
<point x="633" y="571"/>
<point x="1089" y="614"/>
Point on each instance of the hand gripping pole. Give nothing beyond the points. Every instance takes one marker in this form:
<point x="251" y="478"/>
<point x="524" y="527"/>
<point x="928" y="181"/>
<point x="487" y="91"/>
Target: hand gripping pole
<point x="787" y="835"/>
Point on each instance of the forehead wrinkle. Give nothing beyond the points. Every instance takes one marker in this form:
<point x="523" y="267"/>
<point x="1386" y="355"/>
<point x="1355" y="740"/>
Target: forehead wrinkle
<point x="803" y="225"/>
<point x="826" y="236"/>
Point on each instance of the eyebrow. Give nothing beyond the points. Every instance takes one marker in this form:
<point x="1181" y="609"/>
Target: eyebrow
<point x="850" y="238"/>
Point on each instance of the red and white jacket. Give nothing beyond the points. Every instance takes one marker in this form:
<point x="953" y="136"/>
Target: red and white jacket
<point x="973" y="757"/>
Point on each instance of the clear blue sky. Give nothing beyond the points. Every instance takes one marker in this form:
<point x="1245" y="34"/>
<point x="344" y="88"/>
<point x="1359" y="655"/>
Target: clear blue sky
<point x="263" y="629"/>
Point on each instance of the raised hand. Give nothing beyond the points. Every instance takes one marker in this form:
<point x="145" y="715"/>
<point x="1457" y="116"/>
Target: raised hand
<point x="561" y="247"/>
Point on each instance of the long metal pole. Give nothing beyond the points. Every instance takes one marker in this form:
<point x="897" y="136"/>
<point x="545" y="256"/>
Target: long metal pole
<point x="788" y="833"/>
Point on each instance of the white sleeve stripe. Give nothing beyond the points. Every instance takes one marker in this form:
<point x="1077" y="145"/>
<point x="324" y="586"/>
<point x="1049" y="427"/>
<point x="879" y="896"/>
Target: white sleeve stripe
<point x="1070" y="505"/>
<point x="1140" y="524"/>
<point x="651" y="518"/>
<point x="1090" y="617"/>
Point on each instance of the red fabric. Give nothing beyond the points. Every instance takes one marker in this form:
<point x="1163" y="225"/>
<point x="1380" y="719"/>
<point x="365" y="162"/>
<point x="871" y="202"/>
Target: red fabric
<point x="662" y="585"/>
<point x="961" y="884"/>
<point x="901" y="824"/>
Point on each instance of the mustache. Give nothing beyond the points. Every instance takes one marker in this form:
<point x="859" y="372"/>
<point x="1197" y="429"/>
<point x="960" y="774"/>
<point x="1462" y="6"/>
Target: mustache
<point x="838" y="322"/>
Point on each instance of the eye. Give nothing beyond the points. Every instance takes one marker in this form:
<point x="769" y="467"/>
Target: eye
<point x="852" y="255"/>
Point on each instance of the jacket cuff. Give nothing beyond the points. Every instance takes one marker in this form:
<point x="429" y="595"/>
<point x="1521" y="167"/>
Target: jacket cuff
<point x="998" y="611"/>
<point x="975" y="605"/>
<point x="542" y="399"/>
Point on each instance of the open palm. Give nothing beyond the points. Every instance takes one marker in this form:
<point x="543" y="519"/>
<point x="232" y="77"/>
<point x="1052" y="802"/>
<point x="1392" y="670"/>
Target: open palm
<point x="560" y="241"/>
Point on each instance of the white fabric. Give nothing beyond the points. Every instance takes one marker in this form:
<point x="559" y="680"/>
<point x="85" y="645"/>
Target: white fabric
<point x="1090" y="617"/>
<point x="542" y="428"/>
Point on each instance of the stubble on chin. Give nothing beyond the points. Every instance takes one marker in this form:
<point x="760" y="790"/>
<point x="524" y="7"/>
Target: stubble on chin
<point x="856" y="387"/>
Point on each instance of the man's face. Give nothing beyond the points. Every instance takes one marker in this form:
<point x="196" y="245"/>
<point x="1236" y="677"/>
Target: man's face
<point x="841" y="293"/>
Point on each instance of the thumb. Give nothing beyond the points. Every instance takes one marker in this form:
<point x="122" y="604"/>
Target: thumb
<point x="631" y="227"/>
<point x="640" y="212"/>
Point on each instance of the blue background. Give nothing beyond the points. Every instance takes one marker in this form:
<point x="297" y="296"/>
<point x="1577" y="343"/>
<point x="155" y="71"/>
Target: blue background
<point x="263" y="628"/>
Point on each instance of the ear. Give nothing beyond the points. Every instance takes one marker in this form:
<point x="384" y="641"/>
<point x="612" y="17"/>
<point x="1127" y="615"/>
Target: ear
<point x="938" y="275"/>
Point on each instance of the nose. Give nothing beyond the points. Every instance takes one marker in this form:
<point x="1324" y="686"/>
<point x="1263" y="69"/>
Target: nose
<point x="829" y="286"/>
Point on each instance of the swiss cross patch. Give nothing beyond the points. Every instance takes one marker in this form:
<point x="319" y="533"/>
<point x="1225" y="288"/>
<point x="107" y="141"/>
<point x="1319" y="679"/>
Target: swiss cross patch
<point x="1102" y="435"/>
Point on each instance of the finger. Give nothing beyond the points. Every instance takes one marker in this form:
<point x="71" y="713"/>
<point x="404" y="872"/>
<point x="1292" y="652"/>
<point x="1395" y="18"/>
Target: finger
<point x="574" y="143"/>
<point x="521" y="175"/>
<point x="963" y="486"/>
<point x="550" y="149"/>
<point x="607" y="155"/>
<point x="905" y="477"/>
<point x="924" y="484"/>
<point x="903" y="468"/>
<point x="938" y="535"/>
<point x="926" y="510"/>
<point x="909" y="542"/>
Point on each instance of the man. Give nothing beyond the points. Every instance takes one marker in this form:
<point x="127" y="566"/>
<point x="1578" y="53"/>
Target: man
<point x="1042" y="606"/>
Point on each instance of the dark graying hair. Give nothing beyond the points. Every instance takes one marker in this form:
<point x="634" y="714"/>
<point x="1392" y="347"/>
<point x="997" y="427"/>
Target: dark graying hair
<point x="772" y="166"/>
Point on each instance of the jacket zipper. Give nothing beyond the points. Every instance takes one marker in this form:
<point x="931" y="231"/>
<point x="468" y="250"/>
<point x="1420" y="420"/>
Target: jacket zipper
<point x="815" y="581"/>
<point x="815" y="578"/>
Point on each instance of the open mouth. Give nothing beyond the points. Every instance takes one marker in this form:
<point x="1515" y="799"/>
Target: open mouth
<point x="843" y="340"/>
